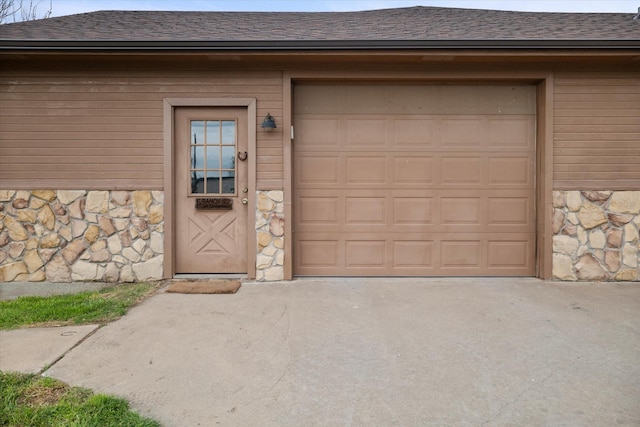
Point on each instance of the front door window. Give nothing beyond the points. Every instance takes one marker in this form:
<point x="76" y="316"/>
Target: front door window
<point x="213" y="157"/>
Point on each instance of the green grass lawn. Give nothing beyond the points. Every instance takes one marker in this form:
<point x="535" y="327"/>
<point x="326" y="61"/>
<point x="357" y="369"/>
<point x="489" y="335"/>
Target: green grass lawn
<point x="30" y="400"/>
<point x="73" y="309"/>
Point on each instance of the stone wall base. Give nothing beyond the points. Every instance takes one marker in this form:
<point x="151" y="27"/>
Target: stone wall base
<point x="118" y="236"/>
<point x="270" y="235"/>
<point x="78" y="235"/>
<point x="596" y="235"/>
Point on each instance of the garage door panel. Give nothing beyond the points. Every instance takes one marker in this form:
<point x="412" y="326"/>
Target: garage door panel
<point x="463" y="211"/>
<point x="318" y="170"/>
<point x="319" y="131"/>
<point x="371" y="133"/>
<point x="415" y="254"/>
<point x="461" y="254"/>
<point x="359" y="100"/>
<point x="462" y="132"/>
<point x="509" y="254"/>
<point x="365" y="211"/>
<point x="321" y="99"/>
<point x="366" y="170"/>
<point x="415" y="192"/>
<point x="509" y="171"/>
<point x="512" y="132"/>
<point x="416" y="131"/>
<point x="365" y="253"/>
<point x="319" y="210"/>
<point x="415" y="99"/>
<point x="415" y="180"/>
<point x="442" y="133"/>
<point x="414" y="211"/>
<point x="393" y="170"/>
<point x="313" y="254"/>
<point x="465" y="171"/>
<point x="509" y="211"/>
<point x="413" y="170"/>
<point x="452" y="229"/>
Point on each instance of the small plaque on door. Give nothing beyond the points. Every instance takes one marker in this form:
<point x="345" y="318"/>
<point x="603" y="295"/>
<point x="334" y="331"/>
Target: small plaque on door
<point x="211" y="204"/>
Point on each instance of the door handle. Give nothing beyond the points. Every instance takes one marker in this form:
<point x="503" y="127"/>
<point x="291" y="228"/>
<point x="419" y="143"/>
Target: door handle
<point x="245" y="200"/>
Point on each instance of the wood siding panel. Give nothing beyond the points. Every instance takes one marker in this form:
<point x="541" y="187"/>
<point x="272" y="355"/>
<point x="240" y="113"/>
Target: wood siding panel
<point x="104" y="129"/>
<point x="597" y="131"/>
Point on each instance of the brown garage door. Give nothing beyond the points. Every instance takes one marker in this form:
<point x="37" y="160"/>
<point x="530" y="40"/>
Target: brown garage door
<point x="414" y="180"/>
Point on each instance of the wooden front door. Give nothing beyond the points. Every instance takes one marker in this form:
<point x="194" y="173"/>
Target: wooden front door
<point x="211" y="190"/>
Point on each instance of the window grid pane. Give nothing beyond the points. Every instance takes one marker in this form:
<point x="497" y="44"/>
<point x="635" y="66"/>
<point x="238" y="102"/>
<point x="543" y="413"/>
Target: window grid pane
<point x="213" y="156"/>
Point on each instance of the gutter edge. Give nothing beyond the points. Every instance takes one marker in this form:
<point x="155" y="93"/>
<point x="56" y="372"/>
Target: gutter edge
<point x="275" y="45"/>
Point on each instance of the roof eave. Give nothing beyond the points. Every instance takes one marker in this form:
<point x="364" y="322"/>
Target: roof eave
<point x="280" y="45"/>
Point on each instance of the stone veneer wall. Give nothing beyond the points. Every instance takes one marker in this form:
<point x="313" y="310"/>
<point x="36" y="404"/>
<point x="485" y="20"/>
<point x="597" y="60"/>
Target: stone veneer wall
<point x="596" y="235"/>
<point x="270" y="235"/>
<point x="77" y="235"/>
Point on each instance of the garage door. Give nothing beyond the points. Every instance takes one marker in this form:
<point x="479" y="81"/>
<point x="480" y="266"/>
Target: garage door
<point x="414" y="180"/>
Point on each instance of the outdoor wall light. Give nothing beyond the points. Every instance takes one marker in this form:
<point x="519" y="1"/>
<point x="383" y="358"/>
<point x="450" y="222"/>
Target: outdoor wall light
<point x="269" y="123"/>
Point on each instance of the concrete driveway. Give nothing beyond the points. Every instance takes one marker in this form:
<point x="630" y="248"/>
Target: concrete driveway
<point x="351" y="352"/>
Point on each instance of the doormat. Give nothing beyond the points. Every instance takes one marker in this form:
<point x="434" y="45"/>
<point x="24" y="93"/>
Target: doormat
<point x="204" y="287"/>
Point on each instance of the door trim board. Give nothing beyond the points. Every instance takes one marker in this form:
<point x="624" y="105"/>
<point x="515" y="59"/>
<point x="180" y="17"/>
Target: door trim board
<point x="170" y="104"/>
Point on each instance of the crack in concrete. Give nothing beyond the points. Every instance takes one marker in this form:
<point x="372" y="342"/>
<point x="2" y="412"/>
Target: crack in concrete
<point x="59" y="358"/>
<point x="285" y="339"/>
<point x="522" y="393"/>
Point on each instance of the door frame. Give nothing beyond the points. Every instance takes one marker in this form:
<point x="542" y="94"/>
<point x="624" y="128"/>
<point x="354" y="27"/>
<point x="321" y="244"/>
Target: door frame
<point x="170" y="104"/>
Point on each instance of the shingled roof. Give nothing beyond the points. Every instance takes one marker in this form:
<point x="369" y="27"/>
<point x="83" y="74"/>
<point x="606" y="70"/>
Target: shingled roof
<point x="425" y="27"/>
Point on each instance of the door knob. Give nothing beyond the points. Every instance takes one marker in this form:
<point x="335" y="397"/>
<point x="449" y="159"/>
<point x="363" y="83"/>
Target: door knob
<point x="245" y="200"/>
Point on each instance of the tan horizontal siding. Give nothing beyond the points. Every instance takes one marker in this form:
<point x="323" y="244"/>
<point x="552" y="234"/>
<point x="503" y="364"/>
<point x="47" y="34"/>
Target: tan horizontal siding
<point x="586" y="89"/>
<point x="594" y="121"/>
<point x="597" y="131"/>
<point x="103" y="129"/>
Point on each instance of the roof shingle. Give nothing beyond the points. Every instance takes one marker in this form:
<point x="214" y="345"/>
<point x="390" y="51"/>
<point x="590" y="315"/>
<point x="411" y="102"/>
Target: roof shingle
<point x="407" y="24"/>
